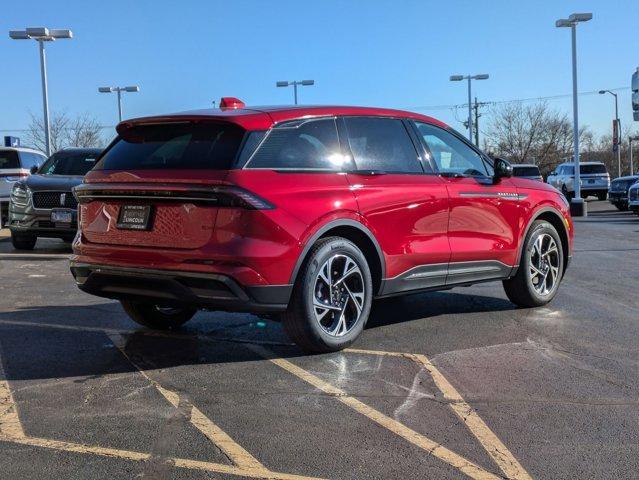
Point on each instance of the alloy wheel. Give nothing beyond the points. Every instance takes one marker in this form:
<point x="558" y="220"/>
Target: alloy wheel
<point x="544" y="264"/>
<point x="338" y="295"/>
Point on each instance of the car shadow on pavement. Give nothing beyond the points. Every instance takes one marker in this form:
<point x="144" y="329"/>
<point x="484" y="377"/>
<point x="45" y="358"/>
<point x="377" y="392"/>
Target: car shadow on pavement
<point x="56" y="342"/>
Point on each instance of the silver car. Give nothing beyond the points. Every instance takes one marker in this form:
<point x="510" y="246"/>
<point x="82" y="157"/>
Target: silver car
<point x="595" y="179"/>
<point x="16" y="163"/>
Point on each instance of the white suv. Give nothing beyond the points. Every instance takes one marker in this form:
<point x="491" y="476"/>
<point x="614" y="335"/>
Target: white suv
<point x="595" y="179"/>
<point x="15" y="164"/>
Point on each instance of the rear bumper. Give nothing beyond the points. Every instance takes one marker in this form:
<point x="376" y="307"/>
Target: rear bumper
<point x="201" y="290"/>
<point x="617" y="197"/>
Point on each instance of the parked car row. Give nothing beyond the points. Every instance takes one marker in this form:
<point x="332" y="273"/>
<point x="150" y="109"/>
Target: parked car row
<point x="42" y="204"/>
<point x="595" y="180"/>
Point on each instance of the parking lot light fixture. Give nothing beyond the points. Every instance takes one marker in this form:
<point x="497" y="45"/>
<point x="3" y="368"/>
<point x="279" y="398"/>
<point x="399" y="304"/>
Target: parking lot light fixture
<point x="459" y="78"/>
<point x="41" y="35"/>
<point x="578" y="207"/>
<point x="294" y="84"/>
<point x="603" y="92"/>
<point x="119" y="90"/>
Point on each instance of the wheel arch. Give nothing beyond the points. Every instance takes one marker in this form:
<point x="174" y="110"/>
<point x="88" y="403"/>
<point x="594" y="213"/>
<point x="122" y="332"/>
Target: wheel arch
<point x="357" y="233"/>
<point x="555" y="218"/>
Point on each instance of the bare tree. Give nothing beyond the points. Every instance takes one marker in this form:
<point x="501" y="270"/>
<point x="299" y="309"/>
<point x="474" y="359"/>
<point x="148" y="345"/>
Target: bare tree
<point x="532" y="134"/>
<point x="66" y="131"/>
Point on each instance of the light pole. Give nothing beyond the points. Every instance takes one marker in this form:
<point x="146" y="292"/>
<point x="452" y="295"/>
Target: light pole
<point x="295" y="83"/>
<point x="41" y="35"/>
<point x="459" y="78"/>
<point x="630" y="140"/>
<point x="578" y="207"/>
<point x="119" y="90"/>
<point x="603" y="92"/>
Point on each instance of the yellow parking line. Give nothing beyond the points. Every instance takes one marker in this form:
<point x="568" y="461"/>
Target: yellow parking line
<point x="437" y="450"/>
<point x="140" y="456"/>
<point x="10" y="425"/>
<point x="491" y="443"/>
<point x="374" y="352"/>
<point x="238" y="455"/>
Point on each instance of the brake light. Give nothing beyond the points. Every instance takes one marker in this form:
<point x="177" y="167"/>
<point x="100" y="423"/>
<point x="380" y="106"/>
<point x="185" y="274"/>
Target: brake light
<point x="231" y="103"/>
<point x="13" y="177"/>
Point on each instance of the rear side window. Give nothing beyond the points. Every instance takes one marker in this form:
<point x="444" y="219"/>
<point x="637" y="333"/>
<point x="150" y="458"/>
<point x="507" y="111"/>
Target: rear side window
<point x="381" y="144"/>
<point x="592" y="169"/>
<point x="174" y="146"/>
<point x="9" y="159"/>
<point x="526" y="171"/>
<point x="300" y="145"/>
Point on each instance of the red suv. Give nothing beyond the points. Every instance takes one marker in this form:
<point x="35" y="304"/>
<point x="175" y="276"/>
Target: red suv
<point x="307" y="214"/>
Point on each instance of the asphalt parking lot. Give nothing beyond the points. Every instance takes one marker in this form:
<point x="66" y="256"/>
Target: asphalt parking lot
<point x="441" y="385"/>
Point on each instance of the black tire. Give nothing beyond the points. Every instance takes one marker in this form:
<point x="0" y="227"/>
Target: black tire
<point x="519" y="288"/>
<point x="602" y="196"/>
<point x="622" y="207"/>
<point x="566" y="193"/>
<point x="23" y="241"/>
<point x="156" y="317"/>
<point x="299" y="321"/>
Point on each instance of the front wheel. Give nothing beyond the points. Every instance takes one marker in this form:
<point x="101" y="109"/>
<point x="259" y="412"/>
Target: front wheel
<point x="156" y="316"/>
<point x="602" y="195"/>
<point x="540" y="268"/>
<point x="23" y="241"/>
<point x="331" y="297"/>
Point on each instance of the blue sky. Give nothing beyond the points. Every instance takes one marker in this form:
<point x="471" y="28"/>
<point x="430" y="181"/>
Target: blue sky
<point x="399" y="53"/>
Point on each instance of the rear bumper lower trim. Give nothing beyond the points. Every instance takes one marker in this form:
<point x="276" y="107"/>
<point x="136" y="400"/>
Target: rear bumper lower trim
<point x="202" y="290"/>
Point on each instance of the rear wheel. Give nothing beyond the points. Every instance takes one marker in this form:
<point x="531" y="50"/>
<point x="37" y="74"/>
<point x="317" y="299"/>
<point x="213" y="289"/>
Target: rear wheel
<point x="156" y="316"/>
<point x="331" y="298"/>
<point x="540" y="268"/>
<point x="23" y="241"/>
<point x="602" y="195"/>
<point x="566" y="193"/>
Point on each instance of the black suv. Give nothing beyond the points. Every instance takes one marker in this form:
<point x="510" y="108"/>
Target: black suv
<point x="618" y="193"/>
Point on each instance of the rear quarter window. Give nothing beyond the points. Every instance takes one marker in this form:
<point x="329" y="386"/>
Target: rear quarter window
<point x="592" y="169"/>
<point x="185" y="145"/>
<point x="301" y="145"/>
<point x="9" y="159"/>
<point x="526" y="171"/>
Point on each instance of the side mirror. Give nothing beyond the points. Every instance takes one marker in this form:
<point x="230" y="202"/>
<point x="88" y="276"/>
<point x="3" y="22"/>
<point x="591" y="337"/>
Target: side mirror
<point x="503" y="169"/>
<point x="34" y="169"/>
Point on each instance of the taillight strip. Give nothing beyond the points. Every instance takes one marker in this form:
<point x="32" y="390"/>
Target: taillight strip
<point x="221" y="196"/>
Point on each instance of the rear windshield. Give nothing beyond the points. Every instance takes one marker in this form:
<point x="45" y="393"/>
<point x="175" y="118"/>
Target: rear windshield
<point x="526" y="171"/>
<point x="69" y="163"/>
<point x="174" y="146"/>
<point x="589" y="169"/>
<point x="9" y="159"/>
